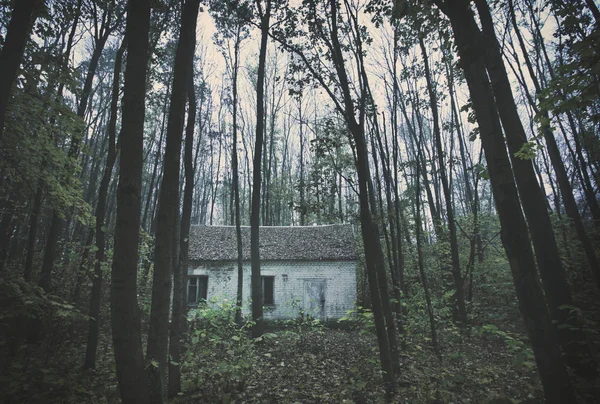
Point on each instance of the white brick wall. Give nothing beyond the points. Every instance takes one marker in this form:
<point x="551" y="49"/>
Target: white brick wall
<point x="339" y="276"/>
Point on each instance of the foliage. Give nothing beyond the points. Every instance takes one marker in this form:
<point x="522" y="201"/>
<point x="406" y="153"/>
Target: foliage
<point x="528" y="150"/>
<point x="522" y="354"/>
<point x="31" y="373"/>
<point x="218" y="353"/>
<point x="22" y="300"/>
<point x="360" y="319"/>
<point x="31" y="155"/>
<point x="341" y="366"/>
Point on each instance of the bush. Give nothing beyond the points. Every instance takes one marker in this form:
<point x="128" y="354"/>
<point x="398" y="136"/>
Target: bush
<point x="360" y="319"/>
<point x="218" y="352"/>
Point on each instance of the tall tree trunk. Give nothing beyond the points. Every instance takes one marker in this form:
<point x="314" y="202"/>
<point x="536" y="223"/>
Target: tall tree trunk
<point x="17" y="34"/>
<point x="94" y="322"/>
<point x="168" y="208"/>
<point x="32" y="235"/>
<point x="145" y="223"/>
<point x="421" y="265"/>
<point x="125" y="319"/>
<point x="303" y="208"/>
<point x="373" y="252"/>
<point x="553" y="273"/>
<point x="396" y="157"/>
<point x="256" y="283"/>
<point x="235" y="183"/>
<point x="180" y="273"/>
<point x="514" y="234"/>
<point x="461" y="318"/>
<point x="395" y="264"/>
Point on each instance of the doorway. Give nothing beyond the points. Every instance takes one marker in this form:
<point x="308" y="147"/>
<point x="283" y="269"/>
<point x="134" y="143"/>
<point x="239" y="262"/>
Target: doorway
<point x="314" y="298"/>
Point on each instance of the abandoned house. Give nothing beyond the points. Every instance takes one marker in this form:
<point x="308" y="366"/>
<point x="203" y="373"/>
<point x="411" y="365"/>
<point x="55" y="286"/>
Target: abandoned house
<point x="304" y="269"/>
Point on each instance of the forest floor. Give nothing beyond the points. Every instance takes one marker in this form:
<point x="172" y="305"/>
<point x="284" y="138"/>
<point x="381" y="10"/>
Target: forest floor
<point x="301" y="362"/>
<point x="322" y="365"/>
<point x="297" y="364"/>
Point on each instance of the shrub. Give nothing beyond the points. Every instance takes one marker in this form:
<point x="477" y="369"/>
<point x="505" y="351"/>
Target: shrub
<point x="218" y="352"/>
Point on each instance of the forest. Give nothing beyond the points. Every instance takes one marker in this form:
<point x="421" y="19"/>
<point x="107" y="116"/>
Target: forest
<point x="459" y="138"/>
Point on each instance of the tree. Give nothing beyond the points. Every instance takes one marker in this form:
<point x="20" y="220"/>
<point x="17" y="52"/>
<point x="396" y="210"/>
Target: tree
<point x="232" y="25"/>
<point x="181" y="267"/>
<point x="541" y="332"/>
<point x="18" y="31"/>
<point x="125" y="320"/>
<point x="101" y="230"/>
<point x="264" y="14"/>
<point x="326" y="31"/>
<point x="168" y="207"/>
<point x="455" y="259"/>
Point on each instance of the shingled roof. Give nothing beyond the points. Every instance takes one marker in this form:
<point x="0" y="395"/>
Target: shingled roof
<point x="294" y="243"/>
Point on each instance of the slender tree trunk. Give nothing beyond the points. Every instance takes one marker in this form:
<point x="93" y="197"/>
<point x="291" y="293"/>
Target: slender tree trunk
<point x="235" y="182"/>
<point x="514" y="232"/>
<point x="257" y="304"/>
<point x="553" y="274"/>
<point x="396" y="157"/>
<point x="17" y="34"/>
<point x="395" y="269"/>
<point x="94" y="322"/>
<point x="32" y="235"/>
<point x="125" y="319"/>
<point x="421" y="265"/>
<point x="373" y="252"/>
<point x="181" y="268"/>
<point x="156" y="163"/>
<point x="168" y="208"/>
<point x="386" y="235"/>
<point x="456" y="273"/>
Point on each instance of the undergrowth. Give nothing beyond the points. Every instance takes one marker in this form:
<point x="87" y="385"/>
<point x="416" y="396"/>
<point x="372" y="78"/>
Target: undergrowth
<point x="296" y="361"/>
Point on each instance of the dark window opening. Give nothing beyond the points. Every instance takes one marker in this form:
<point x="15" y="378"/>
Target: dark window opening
<point x="197" y="289"/>
<point x="268" y="294"/>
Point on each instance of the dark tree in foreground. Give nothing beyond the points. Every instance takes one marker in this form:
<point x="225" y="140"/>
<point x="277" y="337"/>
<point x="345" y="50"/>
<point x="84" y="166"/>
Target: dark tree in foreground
<point x="180" y="272"/>
<point x="168" y="207"/>
<point x="94" y="324"/>
<point x="542" y="333"/>
<point x="17" y="34"/>
<point x="264" y="14"/>
<point x="125" y="319"/>
<point x="553" y="274"/>
<point x="327" y="29"/>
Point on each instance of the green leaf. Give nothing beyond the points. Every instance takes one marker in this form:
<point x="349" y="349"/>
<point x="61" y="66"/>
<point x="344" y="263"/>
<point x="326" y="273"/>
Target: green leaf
<point x="528" y="151"/>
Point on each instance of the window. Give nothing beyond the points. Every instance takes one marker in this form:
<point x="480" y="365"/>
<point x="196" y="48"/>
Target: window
<point x="197" y="288"/>
<point x="268" y="290"/>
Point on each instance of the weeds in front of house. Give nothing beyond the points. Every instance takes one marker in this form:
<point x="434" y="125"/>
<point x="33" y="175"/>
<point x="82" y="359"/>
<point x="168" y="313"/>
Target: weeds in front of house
<point x="218" y="354"/>
<point x="301" y="360"/>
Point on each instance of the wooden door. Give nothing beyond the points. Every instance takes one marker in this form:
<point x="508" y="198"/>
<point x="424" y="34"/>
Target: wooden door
<point x="314" y="298"/>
